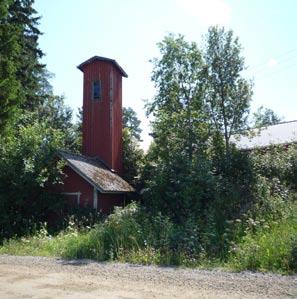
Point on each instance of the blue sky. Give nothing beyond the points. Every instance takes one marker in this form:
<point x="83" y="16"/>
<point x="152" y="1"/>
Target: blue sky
<point x="75" y="30"/>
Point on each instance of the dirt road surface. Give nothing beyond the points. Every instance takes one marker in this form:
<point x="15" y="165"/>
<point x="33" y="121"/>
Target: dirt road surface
<point x="45" y="278"/>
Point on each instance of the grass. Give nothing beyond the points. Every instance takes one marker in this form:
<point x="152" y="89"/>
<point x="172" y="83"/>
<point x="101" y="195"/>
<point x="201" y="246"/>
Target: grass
<point x="121" y="238"/>
<point x="271" y="249"/>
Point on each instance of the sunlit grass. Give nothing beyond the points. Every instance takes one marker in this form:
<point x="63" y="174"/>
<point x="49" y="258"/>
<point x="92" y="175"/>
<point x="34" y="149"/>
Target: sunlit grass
<point x="119" y="238"/>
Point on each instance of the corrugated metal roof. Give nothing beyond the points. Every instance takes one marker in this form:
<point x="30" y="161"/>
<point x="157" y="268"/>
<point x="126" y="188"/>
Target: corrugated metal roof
<point x="96" y="173"/>
<point x="100" y="58"/>
<point x="283" y="133"/>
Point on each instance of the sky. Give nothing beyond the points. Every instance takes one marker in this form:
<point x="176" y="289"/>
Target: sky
<point x="128" y="31"/>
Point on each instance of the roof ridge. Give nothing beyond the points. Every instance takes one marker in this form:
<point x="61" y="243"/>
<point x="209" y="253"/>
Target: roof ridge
<point x="113" y="61"/>
<point x="240" y="132"/>
<point x="280" y="123"/>
<point x="95" y="171"/>
<point x="277" y="134"/>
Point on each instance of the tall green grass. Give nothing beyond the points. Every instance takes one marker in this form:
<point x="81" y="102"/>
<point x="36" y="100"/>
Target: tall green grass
<point x="125" y="234"/>
<point x="271" y="248"/>
<point x="130" y="235"/>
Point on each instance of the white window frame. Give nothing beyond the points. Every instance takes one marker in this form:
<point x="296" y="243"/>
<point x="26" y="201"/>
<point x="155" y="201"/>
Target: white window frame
<point x="78" y="194"/>
<point x="95" y="198"/>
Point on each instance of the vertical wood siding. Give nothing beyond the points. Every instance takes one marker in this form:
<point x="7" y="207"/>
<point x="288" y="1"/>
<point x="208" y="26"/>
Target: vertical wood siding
<point x="102" y="119"/>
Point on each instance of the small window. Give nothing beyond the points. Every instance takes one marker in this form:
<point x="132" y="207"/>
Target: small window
<point x="96" y="90"/>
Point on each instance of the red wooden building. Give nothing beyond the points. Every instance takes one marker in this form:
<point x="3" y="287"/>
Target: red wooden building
<point x="93" y="179"/>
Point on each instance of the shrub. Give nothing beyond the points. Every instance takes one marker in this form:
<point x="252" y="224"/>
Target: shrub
<point x="271" y="248"/>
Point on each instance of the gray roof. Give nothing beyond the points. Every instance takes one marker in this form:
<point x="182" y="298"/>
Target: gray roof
<point x="100" y="58"/>
<point x="280" y="134"/>
<point x="94" y="171"/>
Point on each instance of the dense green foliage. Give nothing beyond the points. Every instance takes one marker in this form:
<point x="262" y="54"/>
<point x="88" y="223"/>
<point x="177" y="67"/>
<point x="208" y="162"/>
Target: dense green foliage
<point x="131" y="235"/>
<point x="30" y="72"/>
<point x="209" y="190"/>
<point x="26" y="165"/>
<point x="228" y="94"/>
<point x="195" y="176"/>
<point x="132" y="158"/>
<point x="180" y="132"/>
<point x="34" y="124"/>
<point x="132" y="153"/>
<point x="128" y="234"/>
<point x="10" y="87"/>
<point x="260" y="237"/>
<point x="272" y="247"/>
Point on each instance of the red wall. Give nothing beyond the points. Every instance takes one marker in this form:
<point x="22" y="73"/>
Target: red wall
<point x="102" y="119"/>
<point x="75" y="183"/>
<point x="107" y="202"/>
<point x="117" y="151"/>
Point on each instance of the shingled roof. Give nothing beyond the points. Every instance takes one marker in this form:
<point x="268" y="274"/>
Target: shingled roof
<point x="96" y="173"/>
<point x="279" y="134"/>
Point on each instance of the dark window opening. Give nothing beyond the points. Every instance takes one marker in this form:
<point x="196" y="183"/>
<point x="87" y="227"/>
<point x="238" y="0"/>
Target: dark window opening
<point x="96" y="90"/>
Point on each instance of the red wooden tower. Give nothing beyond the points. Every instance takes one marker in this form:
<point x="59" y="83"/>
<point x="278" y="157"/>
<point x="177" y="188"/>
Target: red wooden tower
<point x="102" y="110"/>
<point x="93" y="178"/>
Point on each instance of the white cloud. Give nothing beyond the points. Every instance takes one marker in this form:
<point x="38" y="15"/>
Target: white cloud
<point x="272" y="62"/>
<point x="208" y="12"/>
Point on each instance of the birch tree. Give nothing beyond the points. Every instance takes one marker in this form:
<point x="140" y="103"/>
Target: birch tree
<point x="228" y="94"/>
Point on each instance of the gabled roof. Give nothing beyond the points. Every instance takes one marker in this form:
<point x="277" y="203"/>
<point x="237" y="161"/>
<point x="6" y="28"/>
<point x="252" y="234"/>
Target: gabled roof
<point x="280" y="134"/>
<point x="100" y="58"/>
<point x="94" y="171"/>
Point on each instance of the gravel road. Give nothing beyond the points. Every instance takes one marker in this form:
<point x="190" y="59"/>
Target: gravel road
<point x="40" y="277"/>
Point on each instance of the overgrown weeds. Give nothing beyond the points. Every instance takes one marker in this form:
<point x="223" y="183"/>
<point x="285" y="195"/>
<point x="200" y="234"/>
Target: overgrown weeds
<point x="271" y="248"/>
<point x="131" y="235"/>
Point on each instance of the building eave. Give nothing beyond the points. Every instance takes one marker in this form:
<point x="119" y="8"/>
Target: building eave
<point x="115" y="179"/>
<point x="100" y="58"/>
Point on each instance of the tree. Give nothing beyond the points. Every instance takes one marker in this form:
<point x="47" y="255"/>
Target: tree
<point x="27" y="165"/>
<point x="228" y="94"/>
<point x="132" y="153"/>
<point x="132" y="157"/>
<point x="56" y="115"/>
<point x="178" y="105"/>
<point x="265" y="117"/>
<point x="31" y="73"/>
<point x="10" y="95"/>
<point x="131" y="122"/>
<point x="37" y="123"/>
<point x="23" y="79"/>
<point x="179" y="167"/>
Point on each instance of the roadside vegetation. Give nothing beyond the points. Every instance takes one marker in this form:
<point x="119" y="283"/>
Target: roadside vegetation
<point x="131" y="235"/>
<point x="199" y="201"/>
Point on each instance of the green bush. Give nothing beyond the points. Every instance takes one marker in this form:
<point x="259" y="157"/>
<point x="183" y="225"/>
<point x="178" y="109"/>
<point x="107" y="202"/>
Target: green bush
<point x="277" y="163"/>
<point x="27" y="165"/>
<point x="271" y="248"/>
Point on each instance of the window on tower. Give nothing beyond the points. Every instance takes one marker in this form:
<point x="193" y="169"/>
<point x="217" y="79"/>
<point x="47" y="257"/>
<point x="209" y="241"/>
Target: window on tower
<point x="96" y="90"/>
